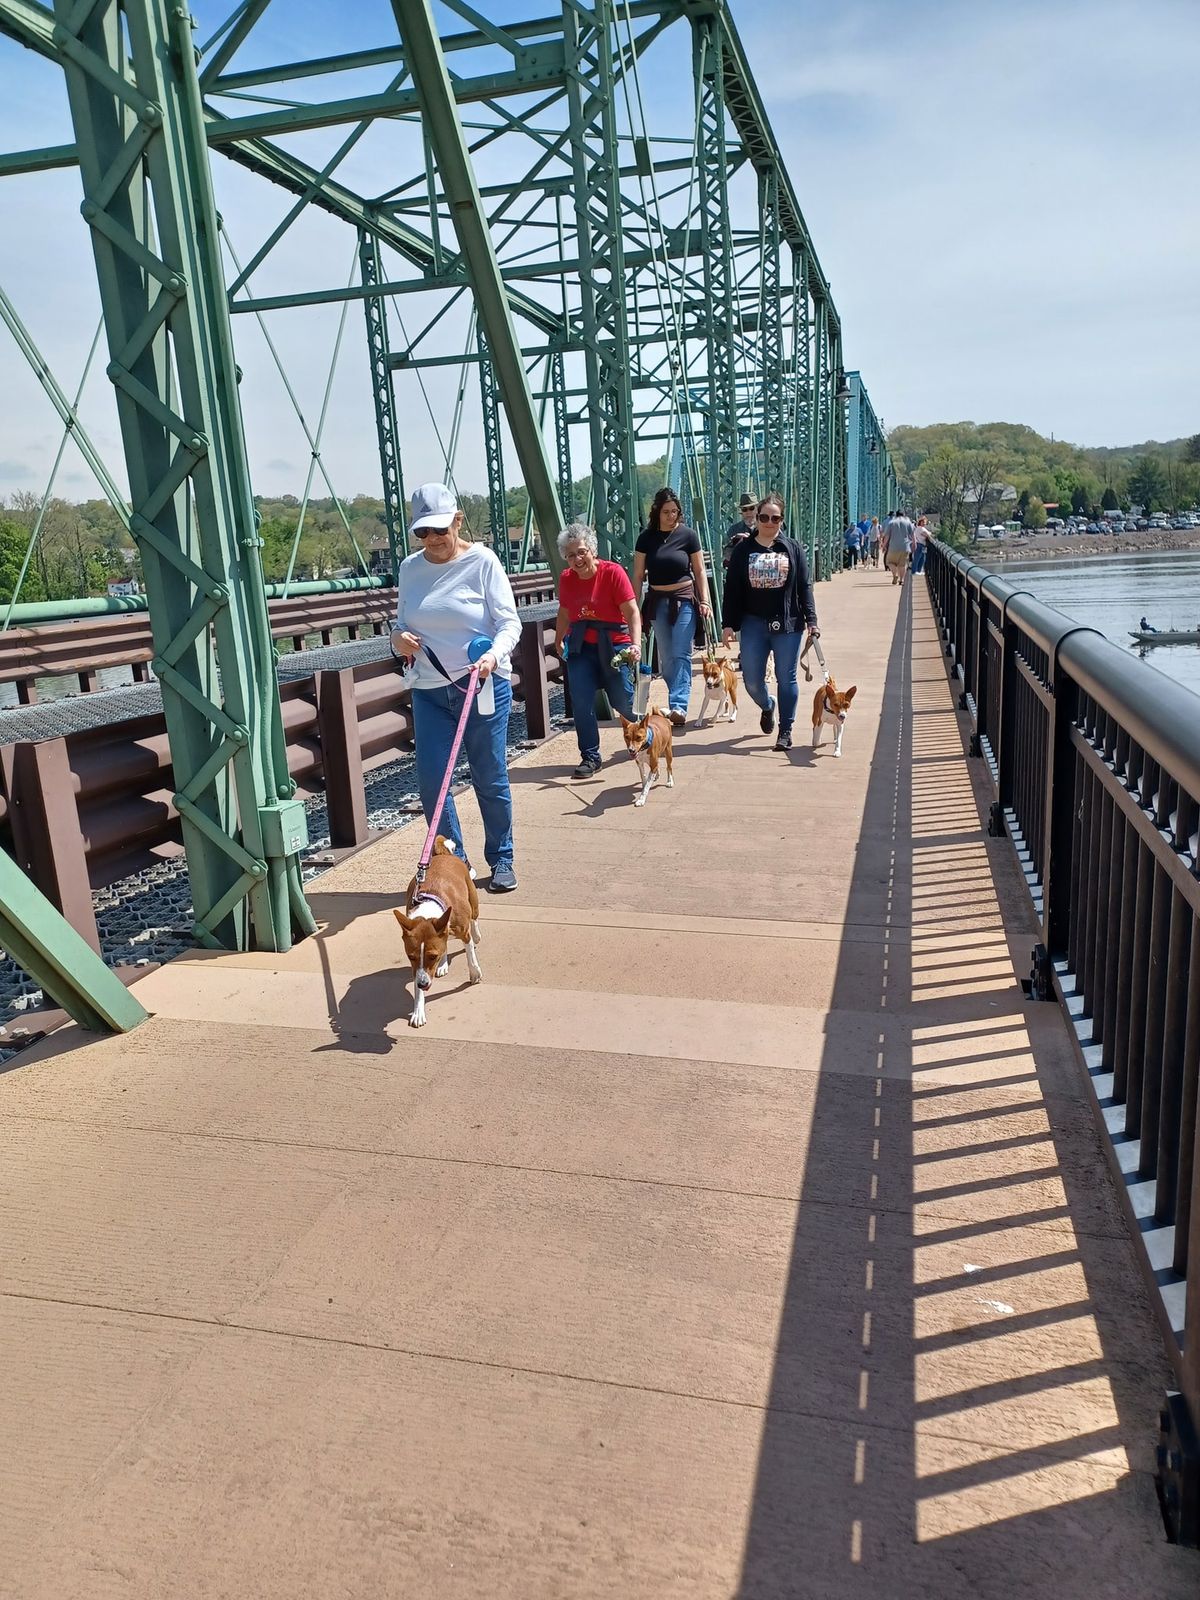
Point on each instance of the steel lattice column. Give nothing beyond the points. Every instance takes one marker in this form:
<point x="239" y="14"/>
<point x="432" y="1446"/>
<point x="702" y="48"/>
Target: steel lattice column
<point x="493" y="449"/>
<point x="135" y="104"/>
<point x="383" y="389"/>
<point x="770" y="332"/>
<point x="562" y="435"/>
<point x="590" y="39"/>
<point x="802" y="470"/>
<point x="719" y="310"/>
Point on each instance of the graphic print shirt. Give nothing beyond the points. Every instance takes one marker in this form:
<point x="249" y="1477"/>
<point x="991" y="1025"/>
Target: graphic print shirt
<point x="768" y="573"/>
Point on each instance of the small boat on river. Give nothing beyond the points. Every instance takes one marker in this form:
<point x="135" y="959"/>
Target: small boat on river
<point x="1168" y="636"/>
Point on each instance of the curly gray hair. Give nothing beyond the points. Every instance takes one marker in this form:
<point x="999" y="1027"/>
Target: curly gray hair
<point x="578" y="533"/>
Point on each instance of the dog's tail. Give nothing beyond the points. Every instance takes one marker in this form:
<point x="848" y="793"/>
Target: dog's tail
<point x="443" y="847"/>
<point x="656" y="711"/>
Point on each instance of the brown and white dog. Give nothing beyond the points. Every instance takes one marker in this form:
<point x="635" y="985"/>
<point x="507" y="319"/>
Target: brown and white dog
<point x="446" y="903"/>
<point x="649" y="742"/>
<point x="720" y="685"/>
<point x="831" y="705"/>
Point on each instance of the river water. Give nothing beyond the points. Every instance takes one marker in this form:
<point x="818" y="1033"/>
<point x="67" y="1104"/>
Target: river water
<point x="1113" y="593"/>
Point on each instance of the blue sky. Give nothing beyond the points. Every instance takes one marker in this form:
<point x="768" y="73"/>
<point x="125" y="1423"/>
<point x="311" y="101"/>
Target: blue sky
<point x="1001" y="194"/>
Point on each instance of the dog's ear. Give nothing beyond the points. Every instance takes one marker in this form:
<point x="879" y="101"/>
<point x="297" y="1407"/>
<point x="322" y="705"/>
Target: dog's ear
<point x="851" y="692"/>
<point x="403" y="919"/>
<point x="442" y="923"/>
<point x="626" y="722"/>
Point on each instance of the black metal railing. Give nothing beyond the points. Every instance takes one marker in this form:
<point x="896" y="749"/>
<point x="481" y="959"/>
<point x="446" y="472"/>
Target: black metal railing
<point x="1095" y="759"/>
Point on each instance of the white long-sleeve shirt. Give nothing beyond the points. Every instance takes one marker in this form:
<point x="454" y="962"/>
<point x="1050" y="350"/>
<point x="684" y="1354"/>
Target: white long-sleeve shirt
<point x="447" y="604"/>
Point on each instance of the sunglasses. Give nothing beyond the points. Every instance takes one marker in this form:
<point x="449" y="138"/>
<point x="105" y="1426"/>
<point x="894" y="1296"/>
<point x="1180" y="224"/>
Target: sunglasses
<point x="764" y="516"/>
<point x="428" y="533"/>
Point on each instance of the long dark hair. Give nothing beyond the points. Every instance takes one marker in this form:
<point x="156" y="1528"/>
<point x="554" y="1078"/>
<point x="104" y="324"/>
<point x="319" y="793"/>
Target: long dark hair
<point x="664" y="497"/>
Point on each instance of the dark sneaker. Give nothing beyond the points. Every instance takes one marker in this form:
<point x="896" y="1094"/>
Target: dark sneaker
<point x="587" y="768"/>
<point x="678" y="719"/>
<point x="784" y="740"/>
<point x="503" y="879"/>
<point x="767" y="721"/>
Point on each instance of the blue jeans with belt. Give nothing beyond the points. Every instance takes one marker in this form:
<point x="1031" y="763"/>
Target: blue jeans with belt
<point x="756" y="643"/>
<point x="485" y="742"/>
<point x="675" y="641"/>
<point x="589" y="668"/>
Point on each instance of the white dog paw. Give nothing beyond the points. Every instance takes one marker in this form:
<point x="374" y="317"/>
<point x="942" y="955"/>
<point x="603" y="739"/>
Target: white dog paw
<point x="415" y="1021"/>
<point x="639" y="799"/>
<point x="440" y="972"/>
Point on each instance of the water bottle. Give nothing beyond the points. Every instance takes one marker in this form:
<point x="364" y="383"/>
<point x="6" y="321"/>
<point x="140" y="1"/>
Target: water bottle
<point x="485" y="697"/>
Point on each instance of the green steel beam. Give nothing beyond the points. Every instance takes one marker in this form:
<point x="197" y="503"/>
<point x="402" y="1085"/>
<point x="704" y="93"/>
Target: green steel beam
<point x="589" y="34"/>
<point x="771" y="332"/>
<point x="138" y="120"/>
<point x="59" y="960"/>
<point x="718" y="302"/>
<point x="444" y="132"/>
<point x="383" y="391"/>
<point x="493" y="453"/>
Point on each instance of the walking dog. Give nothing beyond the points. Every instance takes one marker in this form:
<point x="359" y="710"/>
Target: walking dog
<point x="649" y="742"/>
<point x="720" y="685"/>
<point x="830" y="705"/>
<point x="445" y="904"/>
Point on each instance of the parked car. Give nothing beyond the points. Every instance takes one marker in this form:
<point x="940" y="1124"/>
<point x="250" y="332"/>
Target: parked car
<point x="1093" y="527"/>
<point x="1131" y="527"/>
<point x="1142" y="522"/>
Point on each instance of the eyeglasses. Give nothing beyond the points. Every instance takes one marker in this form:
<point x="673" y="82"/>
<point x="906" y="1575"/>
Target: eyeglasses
<point x="765" y="516"/>
<point x="436" y="533"/>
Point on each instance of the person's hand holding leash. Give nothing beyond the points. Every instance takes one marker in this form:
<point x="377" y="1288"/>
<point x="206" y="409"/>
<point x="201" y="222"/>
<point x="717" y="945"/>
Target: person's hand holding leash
<point x="405" y="644"/>
<point x="486" y="665"/>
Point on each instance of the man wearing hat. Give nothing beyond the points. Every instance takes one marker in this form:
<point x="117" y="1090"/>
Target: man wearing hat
<point x="742" y="528"/>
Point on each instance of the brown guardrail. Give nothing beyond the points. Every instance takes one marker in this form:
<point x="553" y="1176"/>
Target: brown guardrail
<point x="82" y="648"/>
<point x="84" y="809"/>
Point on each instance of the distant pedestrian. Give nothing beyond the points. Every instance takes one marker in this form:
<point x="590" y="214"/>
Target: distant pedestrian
<point x="852" y="539"/>
<point x="920" y="540"/>
<point x="742" y="528"/>
<point x="874" y="541"/>
<point x="897" y="545"/>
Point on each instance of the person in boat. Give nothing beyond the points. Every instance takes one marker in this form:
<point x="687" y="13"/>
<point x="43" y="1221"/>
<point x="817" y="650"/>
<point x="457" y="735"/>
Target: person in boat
<point x="1147" y="627"/>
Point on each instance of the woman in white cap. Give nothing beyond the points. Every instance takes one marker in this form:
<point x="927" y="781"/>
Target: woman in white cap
<point x="449" y="593"/>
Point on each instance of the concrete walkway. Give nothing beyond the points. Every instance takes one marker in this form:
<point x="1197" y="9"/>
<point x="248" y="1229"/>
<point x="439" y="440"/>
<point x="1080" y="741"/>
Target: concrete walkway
<point x="744" y="1235"/>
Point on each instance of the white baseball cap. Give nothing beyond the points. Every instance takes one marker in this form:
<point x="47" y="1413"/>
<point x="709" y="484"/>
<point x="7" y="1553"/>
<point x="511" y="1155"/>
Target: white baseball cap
<point x="433" y="506"/>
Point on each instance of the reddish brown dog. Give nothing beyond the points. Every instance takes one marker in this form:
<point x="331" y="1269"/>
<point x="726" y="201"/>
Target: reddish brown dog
<point x="649" y="742"/>
<point x="445" y="904"/>
<point x="720" y="685"/>
<point x="831" y="705"/>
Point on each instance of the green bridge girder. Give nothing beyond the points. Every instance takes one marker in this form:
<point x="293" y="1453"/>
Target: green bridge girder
<point x="649" y="278"/>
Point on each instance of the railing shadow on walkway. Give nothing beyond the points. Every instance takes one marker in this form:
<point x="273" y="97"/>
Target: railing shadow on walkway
<point x="995" y="1418"/>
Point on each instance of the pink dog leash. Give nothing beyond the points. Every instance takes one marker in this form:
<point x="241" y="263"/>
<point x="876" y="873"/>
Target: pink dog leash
<point x="477" y="648"/>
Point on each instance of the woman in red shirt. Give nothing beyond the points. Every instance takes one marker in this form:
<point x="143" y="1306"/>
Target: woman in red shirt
<point x="598" y="619"/>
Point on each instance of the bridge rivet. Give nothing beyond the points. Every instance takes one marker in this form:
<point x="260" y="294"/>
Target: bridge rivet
<point x="198" y="444"/>
<point x="88" y="209"/>
<point x="198" y="930"/>
<point x="113" y="371"/>
<point x="152" y="115"/>
<point x="177" y="283"/>
<point x="285" y="791"/>
<point x="219" y="592"/>
<point x="159" y="667"/>
<point x="138" y="523"/>
<point x="258" y="869"/>
<point x="241" y="734"/>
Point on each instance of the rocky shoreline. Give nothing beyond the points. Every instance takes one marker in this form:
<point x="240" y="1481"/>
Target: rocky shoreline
<point x="1069" y="547"/>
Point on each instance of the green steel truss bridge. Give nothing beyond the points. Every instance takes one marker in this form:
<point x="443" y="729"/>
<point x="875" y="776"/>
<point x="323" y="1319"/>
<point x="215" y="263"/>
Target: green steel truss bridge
<point x="622" y="273"/>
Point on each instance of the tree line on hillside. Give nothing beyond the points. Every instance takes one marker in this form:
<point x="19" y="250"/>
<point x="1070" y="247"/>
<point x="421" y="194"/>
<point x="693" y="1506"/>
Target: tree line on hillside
<point x="82" y="548"/>
<point x="967" y="474"/>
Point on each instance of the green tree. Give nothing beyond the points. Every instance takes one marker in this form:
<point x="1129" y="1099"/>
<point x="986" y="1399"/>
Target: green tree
<point x="1035" y="513"/>
<point x="1108" y="500"/>
<point x="1080" y="500"/>
<point x="1148" y="486"/>
<point x="1191" y="451"/>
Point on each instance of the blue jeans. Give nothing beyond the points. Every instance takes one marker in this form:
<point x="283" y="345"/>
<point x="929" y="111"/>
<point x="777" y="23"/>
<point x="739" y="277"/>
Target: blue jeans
<point x="435" y="717"/>
<point x="588" y="671"/>
<point x="918" y="558"/>
<point x="675" y="650"/>
<point x="756" y="643"/>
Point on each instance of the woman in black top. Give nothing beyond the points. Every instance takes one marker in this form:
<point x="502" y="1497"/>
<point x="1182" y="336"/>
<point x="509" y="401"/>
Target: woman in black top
<point x="769" y="599"/>
<point x="668" y="554"/>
